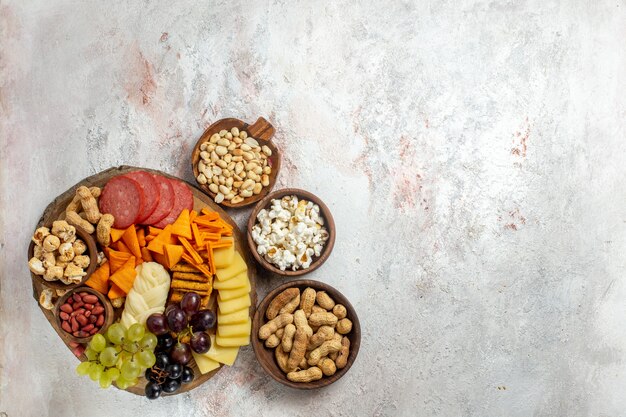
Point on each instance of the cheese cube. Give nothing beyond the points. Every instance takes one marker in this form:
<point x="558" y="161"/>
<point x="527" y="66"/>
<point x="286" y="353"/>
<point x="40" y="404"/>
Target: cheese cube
<point x="235" y="304"/>
<point x="232" y="341"/>
<point x="225" y="355"/>
<point x="205" y="364"/>
<point x="224" y="256"/>
<point x="240" y="316"/>
<point x="225" y="295"/>
<point x="241" y="280"/>
<point x="234" y="330"/>
<point x="238" y="265"/>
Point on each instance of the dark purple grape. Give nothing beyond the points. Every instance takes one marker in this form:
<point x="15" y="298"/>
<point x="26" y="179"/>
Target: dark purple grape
<point x="200" y="342"/>
<point x="174" y="370"/>
<point x="153" y="390"/>
<point x="176" y="319"/>
<point x="170" y="385"/>
<point x="165" y="343"/>
<point x="203" y="320"/>
<point x="150" y="375"/>
<point x="190" y="303"/>
<point x="162" y="360"/>
<point x="181" y="353"/>
<point x="187" y="375"/>
<point x="157" y="324"/>
<point x="169" y="308"/>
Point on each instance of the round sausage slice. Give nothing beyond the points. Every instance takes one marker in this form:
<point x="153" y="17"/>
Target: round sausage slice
<point x="150" y="190"/>
<point x="166" y="200"/>
<point x="122" y="197"/>
<point x="183" y="199"/>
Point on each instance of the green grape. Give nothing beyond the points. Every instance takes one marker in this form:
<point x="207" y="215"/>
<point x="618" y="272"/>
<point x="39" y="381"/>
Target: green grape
<point x="98" y="342"/>
<point x="108" y="356"/>
<point x="148" y="342"/>
<point x="146" y="358"/>
<point x="125" y="383"/>
<point x="136" y="332"/>
<point x="130" y="346"/>
<point x="122" y="358"/>
<point x="95" y="371"/>
<point x="130" y="370"/>
<point x="116" y="333"/>
<point x="113" y="373"/>
<point x="91" y="354"/>
<point x="105" y="381"/>
<point x="83" y="368"/>
<point x="122" y="383"/>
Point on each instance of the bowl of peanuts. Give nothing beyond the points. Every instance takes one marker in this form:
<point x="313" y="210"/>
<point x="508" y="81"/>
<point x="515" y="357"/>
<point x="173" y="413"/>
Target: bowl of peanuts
<point x="236" y="163"/>
<point x="306" y="334"/>
<point x="81" y="313"/>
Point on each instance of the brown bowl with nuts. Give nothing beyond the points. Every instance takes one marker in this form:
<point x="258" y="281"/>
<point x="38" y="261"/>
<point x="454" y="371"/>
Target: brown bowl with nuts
<point x="62" y="256"/>
<point x="236" y="163"/>
<point x="306" y="334"/>
<point x="81" y="313"/>
<point x="306" y="219"/>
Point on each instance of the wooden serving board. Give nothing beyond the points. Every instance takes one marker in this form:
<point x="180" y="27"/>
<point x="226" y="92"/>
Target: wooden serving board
<point x="56" y="209"/>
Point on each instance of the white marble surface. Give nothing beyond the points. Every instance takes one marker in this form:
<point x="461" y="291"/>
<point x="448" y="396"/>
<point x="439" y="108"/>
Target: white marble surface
<point x="473" y="154"/>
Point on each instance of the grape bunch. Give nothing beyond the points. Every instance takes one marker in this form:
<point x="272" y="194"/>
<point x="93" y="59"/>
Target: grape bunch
<point x="181" y="329"/>
<point x="120" y="356"/>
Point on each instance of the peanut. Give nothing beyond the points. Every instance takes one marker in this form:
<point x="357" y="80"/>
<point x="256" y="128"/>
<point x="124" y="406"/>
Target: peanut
<point x="307" y="301"/>
<point x="74" y="219"/>
<point x="342" y="358"/>
<point x="90" y="206"/>
<point x="323" y="334"/>
<point x="273" y="325"/>
<point x="281" y="358"/>
<point x="327" y="366"/>
<point x="280" y="301"/>
<point x="322" y="319"/>
<point x="317" y="309"/>
<point x="104" y="229"/>
<point x="299" y="319"/>
<point x="308" y="375"/>
<point x="291" y="306"/>
<point x="276" y="338"/>
<point x="304" y="364"/>
<point x="340" y="311"/>
<point x="327" y="347"/>
<point x="298" y="349"/>
<point x="344" y="326"/>
<point x="288" y="336"/>
<point x="324" y="300"/>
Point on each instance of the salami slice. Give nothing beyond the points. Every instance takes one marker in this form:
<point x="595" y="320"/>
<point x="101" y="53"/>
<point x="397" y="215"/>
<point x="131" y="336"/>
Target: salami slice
<point x="183" y="200"/>
<point x="150" y="190"/>
<point x="166" y="200"/>
<point x="122" y="197"/>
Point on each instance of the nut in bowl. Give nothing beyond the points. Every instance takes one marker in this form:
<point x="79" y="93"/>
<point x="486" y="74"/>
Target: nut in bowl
<point x="306" y="334"/>
<point x="291" y="232"/>
<point x="81" y="313"/>
<point x="236" y="163"/>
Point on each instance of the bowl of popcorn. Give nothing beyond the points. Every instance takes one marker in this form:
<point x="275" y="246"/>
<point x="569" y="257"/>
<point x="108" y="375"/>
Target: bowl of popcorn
<point x="62" y="256"/>
<point x="236" y="163"/>
<point x="291" y="232"/>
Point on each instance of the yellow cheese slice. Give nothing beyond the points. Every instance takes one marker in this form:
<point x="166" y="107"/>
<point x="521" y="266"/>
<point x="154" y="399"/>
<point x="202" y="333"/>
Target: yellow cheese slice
<point x="238" y="265"/>
<point x="224" y="256"/>
<point x="240" y="316"/>
<point x="238" y="281"/>
<point x="232" y="341"/>
<point x="225" y="295"/>
<point x="234" y="304"/>
<point x="221" y="354"/>
<point x="204" y="363"/>
<point x="234" y="330"/>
